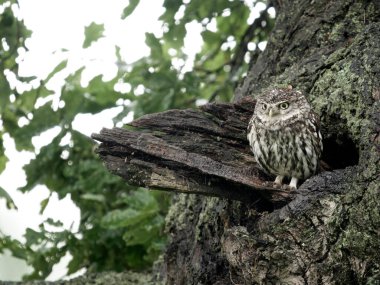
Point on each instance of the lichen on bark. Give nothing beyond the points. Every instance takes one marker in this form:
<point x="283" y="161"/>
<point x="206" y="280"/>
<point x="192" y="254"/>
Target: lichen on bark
<point x="329" y="234"/>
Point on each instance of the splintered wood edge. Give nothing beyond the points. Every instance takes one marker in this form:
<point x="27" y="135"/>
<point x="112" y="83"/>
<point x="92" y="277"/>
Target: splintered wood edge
<point x="163" y="178"/>
<point x="154" y="176"/>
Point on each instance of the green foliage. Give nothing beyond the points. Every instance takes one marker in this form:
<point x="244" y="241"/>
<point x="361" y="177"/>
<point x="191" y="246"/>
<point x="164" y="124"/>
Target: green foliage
<point x="9" y="201"/>
<point x="120" y="227"/>
<point x="92" y="33"/>
<point x="130" y="8"/>
<point x="3" y="158"/>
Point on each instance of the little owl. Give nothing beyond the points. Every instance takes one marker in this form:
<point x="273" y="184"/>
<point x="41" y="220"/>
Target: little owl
<point x="284" y="136"/>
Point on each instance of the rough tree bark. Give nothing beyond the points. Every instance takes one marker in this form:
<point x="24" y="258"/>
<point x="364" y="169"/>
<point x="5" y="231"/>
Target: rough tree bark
<point x="326" y="233"/>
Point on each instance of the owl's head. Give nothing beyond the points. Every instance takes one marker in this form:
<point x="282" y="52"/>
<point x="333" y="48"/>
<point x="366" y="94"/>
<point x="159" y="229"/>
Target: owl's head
<point x="280" y="105"/>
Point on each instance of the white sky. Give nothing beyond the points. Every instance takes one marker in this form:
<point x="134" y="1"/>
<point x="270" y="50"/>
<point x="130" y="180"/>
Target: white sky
<point x="58" y="33"/>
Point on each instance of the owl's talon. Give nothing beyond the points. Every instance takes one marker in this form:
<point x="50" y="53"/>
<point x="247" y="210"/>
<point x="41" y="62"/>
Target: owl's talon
<point x="278" y="186"/>
<point x="278" y="181"/>
<point x="293" y="183"/>
<point x="285" y="187"/>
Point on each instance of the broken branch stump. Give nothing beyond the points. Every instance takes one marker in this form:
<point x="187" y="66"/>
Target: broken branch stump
<point x="203" y="151"/>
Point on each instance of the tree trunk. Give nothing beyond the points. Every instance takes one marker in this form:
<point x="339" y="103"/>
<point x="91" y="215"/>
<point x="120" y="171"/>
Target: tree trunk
<point x="329" y="233"/>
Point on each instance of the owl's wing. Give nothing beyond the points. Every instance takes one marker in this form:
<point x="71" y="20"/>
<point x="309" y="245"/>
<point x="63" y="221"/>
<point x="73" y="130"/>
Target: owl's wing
<point x="250" y="125"/>
<point x="314" y="118"/>
<point x="316" y="129"/>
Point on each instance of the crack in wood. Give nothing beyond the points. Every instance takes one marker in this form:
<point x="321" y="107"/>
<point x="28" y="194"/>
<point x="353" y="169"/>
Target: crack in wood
<point x="201" y="151"/>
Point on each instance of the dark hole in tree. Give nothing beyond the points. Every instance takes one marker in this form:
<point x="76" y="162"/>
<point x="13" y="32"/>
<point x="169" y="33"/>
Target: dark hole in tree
<point x="339" y="151"/>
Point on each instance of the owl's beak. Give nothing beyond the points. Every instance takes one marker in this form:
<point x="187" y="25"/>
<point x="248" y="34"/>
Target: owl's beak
<point x="272" y="112"/>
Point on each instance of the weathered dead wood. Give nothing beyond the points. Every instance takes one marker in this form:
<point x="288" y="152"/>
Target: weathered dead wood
<point x="192" y="151"/>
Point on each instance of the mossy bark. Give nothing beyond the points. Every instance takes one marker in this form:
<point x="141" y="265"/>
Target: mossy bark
<point x="330" y="232"/>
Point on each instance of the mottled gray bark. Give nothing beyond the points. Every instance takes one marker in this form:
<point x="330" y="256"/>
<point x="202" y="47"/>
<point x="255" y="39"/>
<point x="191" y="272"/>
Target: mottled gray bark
<point x="330" y="232"/>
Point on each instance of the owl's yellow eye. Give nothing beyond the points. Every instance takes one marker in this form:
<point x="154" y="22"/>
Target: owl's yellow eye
<point x="264" y="107"/>
<point x="284" y="105"/>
